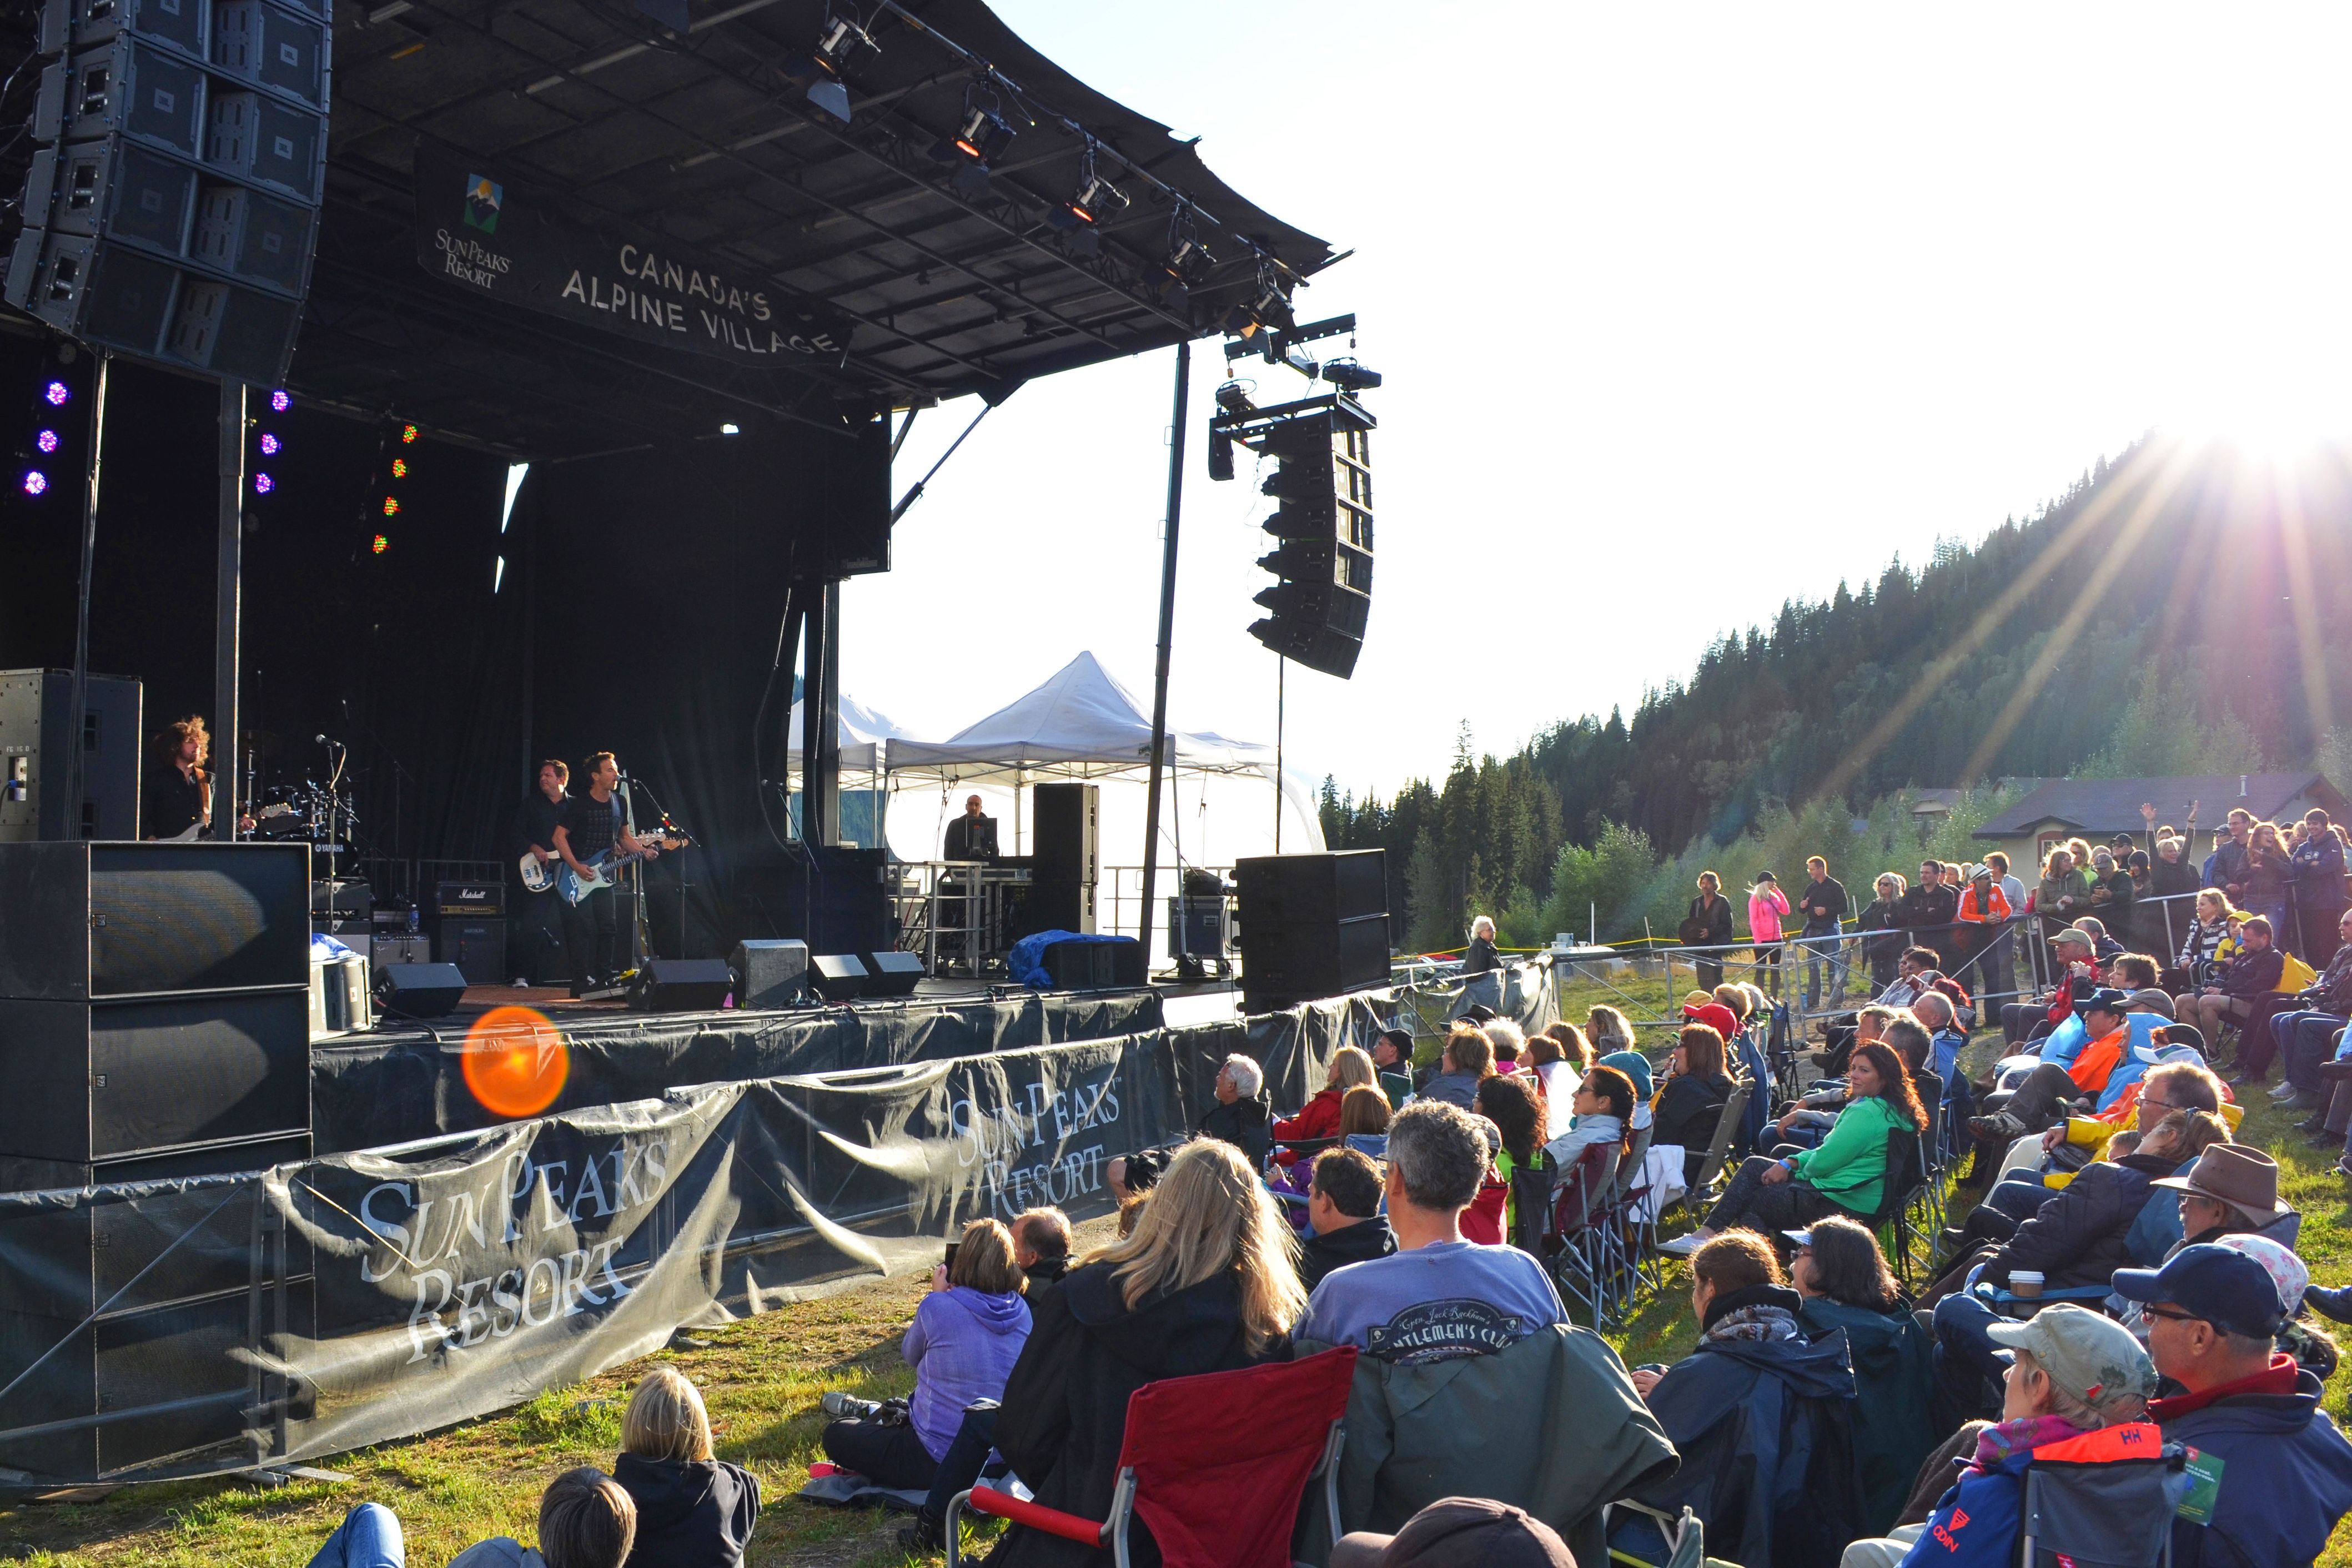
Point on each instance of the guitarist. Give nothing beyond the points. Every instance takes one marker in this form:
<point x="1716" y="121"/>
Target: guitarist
<point x="535" y="822"/>
<point x="587" y="825"/>
<point x="177" y="800"/>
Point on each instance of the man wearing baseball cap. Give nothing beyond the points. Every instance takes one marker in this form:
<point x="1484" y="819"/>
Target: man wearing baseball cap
<point x="1393" y="1062"/>
<point x="2285" y="1471"/>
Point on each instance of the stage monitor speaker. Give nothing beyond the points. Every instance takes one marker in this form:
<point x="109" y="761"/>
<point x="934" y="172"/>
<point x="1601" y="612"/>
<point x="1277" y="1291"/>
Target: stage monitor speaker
<point x="837" y="976"/>
<point x="769" y="973"/>
<point x="91" y="921"/>
<point x="681" y="985"/>
<point x="1094" y="965"/>
<point x="1067" y="818"/>
<point x="1319" y="605"/>
<point x="170" y="206"/>
<point x="890" y="973"/>
<point x="420" y="990"/>
<point x="477" y="947"/>
<point x="37" y="702"/>
<point x="1336" y="885"/>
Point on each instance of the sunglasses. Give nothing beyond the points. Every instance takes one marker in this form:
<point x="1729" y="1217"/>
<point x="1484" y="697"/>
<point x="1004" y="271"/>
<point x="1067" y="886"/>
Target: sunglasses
<point x="2177" y="1316"/>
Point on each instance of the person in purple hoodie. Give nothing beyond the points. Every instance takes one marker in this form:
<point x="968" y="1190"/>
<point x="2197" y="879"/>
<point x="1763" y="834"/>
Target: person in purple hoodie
<point x="965" y="1338"/>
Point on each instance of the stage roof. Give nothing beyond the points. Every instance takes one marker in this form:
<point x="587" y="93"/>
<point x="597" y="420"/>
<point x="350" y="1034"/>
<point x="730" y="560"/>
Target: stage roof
<point x="706" y="141"/>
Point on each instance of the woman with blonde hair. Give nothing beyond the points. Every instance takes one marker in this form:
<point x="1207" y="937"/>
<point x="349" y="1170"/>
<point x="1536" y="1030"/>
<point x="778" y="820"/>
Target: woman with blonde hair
<point x="693" y="1510"/>
<point x="1609" y="1030"/>
<point x="1351" y="1067"/>
<point x="1209" y="1282"/>
<point x="966" y="1335"/>
<point x="1559" y="1058"/>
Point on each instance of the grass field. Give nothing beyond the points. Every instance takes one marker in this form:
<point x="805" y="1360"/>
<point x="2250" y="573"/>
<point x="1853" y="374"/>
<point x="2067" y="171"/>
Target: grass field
<point x="762" y="1378"/>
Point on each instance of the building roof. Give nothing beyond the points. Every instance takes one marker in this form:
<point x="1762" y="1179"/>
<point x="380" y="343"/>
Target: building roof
<point x="1933" y="802"/>
<point x="2111" y="805"/>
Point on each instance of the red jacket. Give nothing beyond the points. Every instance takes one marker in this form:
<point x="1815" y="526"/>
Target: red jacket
<point x="1319" y="1118"/>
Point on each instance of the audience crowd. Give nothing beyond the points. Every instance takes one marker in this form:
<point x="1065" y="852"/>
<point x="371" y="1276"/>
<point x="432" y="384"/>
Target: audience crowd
<point x="2123" y="1299"/>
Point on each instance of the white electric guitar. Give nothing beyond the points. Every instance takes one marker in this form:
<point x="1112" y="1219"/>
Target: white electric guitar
<point x="603" y="869"/>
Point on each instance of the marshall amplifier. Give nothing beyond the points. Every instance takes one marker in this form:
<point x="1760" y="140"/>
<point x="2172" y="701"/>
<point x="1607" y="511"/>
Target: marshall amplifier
<point x="464" y="898"/>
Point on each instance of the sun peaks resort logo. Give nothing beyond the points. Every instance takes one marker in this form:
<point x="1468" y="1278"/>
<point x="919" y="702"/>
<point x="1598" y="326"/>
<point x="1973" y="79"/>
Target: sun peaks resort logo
<point x="483" y="199"/>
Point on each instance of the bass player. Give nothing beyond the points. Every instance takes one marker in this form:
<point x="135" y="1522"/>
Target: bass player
<point x="587" y="825"/>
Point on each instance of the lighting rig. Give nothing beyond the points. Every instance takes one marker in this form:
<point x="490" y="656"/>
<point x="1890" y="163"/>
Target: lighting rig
<point x="268" y="444"/>
<point x="396" y="466"/>
<point x="49" y="457"/>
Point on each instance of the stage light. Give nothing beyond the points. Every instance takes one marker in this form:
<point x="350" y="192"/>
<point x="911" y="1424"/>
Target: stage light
<point x="730" y="429"/>
<point x="46" y="440"/>
<point x="1268" y="306"/>
<point x="56" y="391"/>
<point x="380" y="546"/>
<point x="280" y="402"/>
<point x="821" y="68"/>
<point x="269" y="444"/>
<point x="1186" y="260"/>
<point x="400" y="468"/>
<point x="979" y="142"/>
<point x="408" y="435"/>
<point x="263" y="484"/>
<point x="392" y="506"/>
<point x="1096" y="199"/>
<point x="1349" y="377"/>
<point x="36" y="482"/>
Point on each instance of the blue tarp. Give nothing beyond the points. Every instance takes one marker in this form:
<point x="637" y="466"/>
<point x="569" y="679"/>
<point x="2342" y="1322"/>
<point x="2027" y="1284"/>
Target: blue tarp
<point x="1026" y="962"/>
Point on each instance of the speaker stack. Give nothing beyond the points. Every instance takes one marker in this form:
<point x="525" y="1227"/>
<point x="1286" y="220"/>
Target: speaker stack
<point x="472" y="931"/>
<point x="1312" y="926"/>
<point x="155" y="1010"/>
<point x="1067" y="864"/>
<point x="35" y="704"/>
<point x="173" y="204"/>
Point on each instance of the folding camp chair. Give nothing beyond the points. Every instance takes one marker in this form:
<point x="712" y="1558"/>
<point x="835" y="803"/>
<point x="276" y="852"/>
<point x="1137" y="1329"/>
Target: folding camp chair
<point x="1575" y="1234"/>
<point x="1215" y="1465"/>
<point x="1719" y="1149"/>
<point x="2107" y="1496"/>
<point x="1904" y="1175"/>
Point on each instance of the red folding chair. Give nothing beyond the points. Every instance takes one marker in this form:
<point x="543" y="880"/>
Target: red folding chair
<point x="1215" y="1465"/>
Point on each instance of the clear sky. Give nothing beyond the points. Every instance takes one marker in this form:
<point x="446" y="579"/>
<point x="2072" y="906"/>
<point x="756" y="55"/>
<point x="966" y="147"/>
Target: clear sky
<point x="1684" y="311"/>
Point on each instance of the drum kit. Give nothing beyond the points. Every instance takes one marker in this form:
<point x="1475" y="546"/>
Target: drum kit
<point x="309" y="811"/>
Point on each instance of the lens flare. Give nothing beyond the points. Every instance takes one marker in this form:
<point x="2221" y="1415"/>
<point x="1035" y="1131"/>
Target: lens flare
<point x="515" y="1061"/>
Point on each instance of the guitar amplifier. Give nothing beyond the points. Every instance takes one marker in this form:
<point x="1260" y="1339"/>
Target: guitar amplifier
<point x="470" y="899"/>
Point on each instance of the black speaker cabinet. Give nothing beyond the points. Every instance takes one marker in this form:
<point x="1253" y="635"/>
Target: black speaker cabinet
<point x="87" y="922"/>
<point x="770" y="973"/>
<point x="476" y="946"/>
<point x="1338" y="885"/>
<point x="681" y="985"/>
<point x="890" y="973"/>
<point x="1312" y="926"/>
<point x="1094" y="965"/>
<point x="1067" y="818"/>
<point x="1057" y="906"/>
<point x="37" y="703"/>
<point x="837" y="976"/>
<point x="420" y="990"/>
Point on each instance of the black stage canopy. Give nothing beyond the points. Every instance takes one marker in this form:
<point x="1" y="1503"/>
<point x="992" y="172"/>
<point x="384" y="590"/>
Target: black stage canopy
<point x="705" y="140"/>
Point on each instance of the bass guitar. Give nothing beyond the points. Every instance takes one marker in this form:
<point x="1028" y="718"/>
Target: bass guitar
<point x="603" y="869"/>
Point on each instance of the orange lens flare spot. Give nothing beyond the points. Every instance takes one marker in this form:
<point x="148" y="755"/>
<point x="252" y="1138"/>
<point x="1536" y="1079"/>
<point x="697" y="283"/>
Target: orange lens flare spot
<point x="515" y="1061"/>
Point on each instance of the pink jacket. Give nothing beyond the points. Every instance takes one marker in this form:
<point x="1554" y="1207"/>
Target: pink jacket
<point x="1764" y="912"/>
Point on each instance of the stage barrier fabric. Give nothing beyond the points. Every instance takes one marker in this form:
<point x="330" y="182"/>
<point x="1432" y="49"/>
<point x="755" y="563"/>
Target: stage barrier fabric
<point x="401" y="1084"/>
<point x="363" y="1296"/>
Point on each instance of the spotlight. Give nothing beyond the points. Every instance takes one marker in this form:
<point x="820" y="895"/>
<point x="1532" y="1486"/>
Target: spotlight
<point x="263" y="484"/>
<point x="400" y="468"/>
<point x="979" y="141"/>
<point x="36" y="482"/>
<point x="1268" y="307"/>
<point x="392" y="506"/>
<point x="1349" y="377"/>
<point x="280" y="402"/>
<point x="269" y="444"/>
<point x="1096" y="199"/>
<point x="730" y="429"/>
<point x="822" y="66"/>
<point x="408" y="435"/>
<point x="56" y="391"/>
<point x="380" y="546"/>
<point x="1186" y="260"/>
<point x="46" y="440"/>
<point x="1234" y="397"/>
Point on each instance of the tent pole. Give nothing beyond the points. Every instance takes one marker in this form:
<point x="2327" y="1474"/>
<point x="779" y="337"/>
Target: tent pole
<point x="1167" y="635"/>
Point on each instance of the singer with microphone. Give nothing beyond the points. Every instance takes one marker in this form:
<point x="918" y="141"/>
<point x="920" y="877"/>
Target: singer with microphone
<point x="589" y="825"/>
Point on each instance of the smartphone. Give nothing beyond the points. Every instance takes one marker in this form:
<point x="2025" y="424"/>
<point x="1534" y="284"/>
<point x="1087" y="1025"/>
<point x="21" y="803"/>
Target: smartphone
<point x="950" y="1257"/>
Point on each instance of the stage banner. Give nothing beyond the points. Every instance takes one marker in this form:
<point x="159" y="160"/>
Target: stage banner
<point x="478" y="231"/>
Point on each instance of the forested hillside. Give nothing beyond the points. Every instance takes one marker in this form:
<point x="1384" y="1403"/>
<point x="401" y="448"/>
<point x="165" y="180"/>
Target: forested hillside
<point x="2185" y="608"/>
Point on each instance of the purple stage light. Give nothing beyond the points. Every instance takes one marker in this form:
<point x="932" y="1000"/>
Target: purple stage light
<point x="263" y="484"/>
<point x="280" y="400"/>
<point x="269" y="444"/>
<point x="46" y="440"/>
<point x="56" y="391"/>
<point x="36" y="482"/>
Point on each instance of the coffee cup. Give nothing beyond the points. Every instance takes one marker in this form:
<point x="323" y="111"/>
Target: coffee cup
<point x="2025" y="1285"/>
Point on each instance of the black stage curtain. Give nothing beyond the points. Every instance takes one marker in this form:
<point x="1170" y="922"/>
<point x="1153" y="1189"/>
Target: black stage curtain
<point x="637" y="612"/>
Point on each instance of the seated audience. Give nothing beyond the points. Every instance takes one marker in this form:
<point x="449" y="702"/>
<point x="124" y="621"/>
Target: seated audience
<point x="2199" y="959"/>
<point x="2231" y="999"/>
<point x="1734" y="1439"/>
<point x="1319" y="1117"/>
<point x="1609" y="1030"/>
<point x="2071" y="1372"/>
<point x="1509" y="1101"/>
<point x="1208" y="1282"/>
<point x="1638" y="1072"/>
<point x="1437" y="1296"/>
<point x="1468" y="1057"/>
<point x="2073" y="958"/>
<point x="1364" y="1116"/>
<point x="2213" y="1315"/>
<point x="2048" y="1092"/>
<point x="1510" y="1042"/>
<point x="693" y="1510"/>
<point x="966" y="1335"/>
<point x="1392" y="1060"/>
<point x="1131" y="1175"/>
<point x="1241" y="1116"/>
<point x="1041" y="1250"/>
<point x="1846" y="1175"/>
<point x="1842" y="1279"/>
<point x="1869" y="1024"/>
<point x="1605" y="1114"/>
<point x="1458" y="1530"/>
<point x="1561" y="1058"/>
<point x="2305" y="1029"/>
<point x="369" y="1537"/>
<point x="1343" y="1216"/>
<point x="1692" y="1103"/>
<point x="585" y="1521"/>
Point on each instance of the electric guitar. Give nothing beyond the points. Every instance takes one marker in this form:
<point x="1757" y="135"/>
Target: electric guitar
<point x="603" y="869"/>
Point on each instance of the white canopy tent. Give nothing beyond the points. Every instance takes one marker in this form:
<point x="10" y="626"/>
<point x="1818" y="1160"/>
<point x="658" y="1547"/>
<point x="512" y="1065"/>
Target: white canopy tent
<point x="865" y="736"/>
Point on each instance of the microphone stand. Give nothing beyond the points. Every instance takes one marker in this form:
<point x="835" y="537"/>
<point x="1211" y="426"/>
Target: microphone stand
<point x="399" y="772"/>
